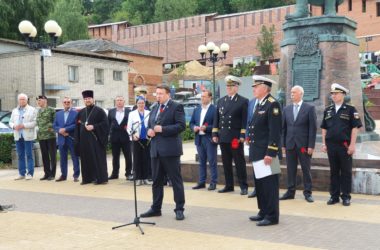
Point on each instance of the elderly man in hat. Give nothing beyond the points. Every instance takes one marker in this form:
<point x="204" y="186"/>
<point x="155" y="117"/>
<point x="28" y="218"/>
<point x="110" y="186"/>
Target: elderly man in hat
<point x="340" y="126"/>
<point x="91" y="137"/>
<point x="264" y="133"/>
<point x="46" y="137"/>
<point x="228" y="130"/>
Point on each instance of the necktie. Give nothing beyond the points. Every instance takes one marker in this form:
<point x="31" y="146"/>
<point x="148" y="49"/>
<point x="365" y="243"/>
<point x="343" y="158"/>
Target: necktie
<point x="295" y="111"/>
<point x="255" y="107"/>
<point x="162" y="107"/>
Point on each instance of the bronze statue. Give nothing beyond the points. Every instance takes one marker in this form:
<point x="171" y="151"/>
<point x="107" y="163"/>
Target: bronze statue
<point x="302" y="9"/>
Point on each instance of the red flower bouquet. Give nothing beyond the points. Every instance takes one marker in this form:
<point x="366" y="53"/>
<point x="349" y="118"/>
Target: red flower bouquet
<point x="235" y="143"/>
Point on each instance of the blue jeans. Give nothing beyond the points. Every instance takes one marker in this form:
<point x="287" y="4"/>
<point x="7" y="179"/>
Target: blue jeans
<point x="207" y="151"/>
<point x="63" y="151"/>
<point x="25" y="148"/>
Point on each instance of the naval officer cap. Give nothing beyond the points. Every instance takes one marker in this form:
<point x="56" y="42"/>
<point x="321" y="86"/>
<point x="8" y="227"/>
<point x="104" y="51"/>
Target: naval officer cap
<point x="257" y="80"/>
<point x="232" y="80"/>
<point x="337" y="88"/>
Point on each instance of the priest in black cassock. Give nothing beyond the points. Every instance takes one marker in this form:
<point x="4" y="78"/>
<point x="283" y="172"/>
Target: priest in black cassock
<point x="91" y="137"/>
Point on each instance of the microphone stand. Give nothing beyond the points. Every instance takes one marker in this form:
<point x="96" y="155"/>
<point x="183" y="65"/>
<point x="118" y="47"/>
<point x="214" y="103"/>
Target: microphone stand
<point x="136" y="220"/>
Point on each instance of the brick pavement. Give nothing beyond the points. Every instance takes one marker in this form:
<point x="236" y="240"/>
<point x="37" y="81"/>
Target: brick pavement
<point x="66" y="215"/>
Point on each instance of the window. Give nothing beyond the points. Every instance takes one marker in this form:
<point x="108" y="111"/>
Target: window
<point x="364" y="6"/>
<point x="117" y="75"/>
<point x="349" y="5"/>
<point x="378" y="9"/>
<point x="99" y="103"/>
<point x="73" y="73"/>
<point x="99" y="76"/>
<point x="75" y="102"/>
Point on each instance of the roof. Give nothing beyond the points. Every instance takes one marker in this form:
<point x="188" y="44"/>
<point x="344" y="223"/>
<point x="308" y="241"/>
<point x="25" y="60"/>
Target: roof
<point x="107" y="24"/>
<point x="71" y="51"/>
<point x="101" y="45"/>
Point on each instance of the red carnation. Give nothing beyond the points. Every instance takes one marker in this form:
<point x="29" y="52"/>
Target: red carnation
<point x="205" y="124"/>
<point x="303" y="150"/>
<point x="235" y="143"/>
<point x="345" y="144"/>
<point x="79" y="121"/>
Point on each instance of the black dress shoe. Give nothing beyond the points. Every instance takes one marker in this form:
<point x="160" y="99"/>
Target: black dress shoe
<point x="265" y="222"/>
<point x="333" y="201"/>
<point x="60" y="179"/>
<point x="50" y="178"/>
<point x="309" y="198"/>
<point x="84" y="183"/>
<point x="256" y="218"/>
<point x="287" y="196"/>
<point x="199" y="186"/>
<point x="253" y="194"/>
<point x="346" y="202"/>
<point x="113" y="177"/>
<point x="226" y="189"/>
<point x="179" y="215"/>
<point x="212" y="186"/>
<point x="150" y="213"/>
<point x="244" y="191"/>
<point x="44" y="178"/>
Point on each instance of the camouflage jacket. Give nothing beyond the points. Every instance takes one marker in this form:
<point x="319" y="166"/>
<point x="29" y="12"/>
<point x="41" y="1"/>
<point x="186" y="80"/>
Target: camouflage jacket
<point x="45" y="119"/>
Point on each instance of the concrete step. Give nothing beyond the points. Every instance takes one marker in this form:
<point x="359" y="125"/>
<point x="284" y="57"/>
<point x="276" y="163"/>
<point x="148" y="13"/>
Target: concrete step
<point x="364" y="180"/>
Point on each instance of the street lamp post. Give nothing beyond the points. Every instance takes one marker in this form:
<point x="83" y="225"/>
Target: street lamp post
<point x="29" y="32"/>
<point x="213" y="58"/>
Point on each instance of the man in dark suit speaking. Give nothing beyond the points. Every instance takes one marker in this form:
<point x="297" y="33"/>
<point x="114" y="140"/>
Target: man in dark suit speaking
<point x="299" y="132"/>
<point x="166" y="122"/>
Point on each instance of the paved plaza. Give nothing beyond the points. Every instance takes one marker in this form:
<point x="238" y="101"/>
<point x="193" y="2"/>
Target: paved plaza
<point x="66" y="215"/>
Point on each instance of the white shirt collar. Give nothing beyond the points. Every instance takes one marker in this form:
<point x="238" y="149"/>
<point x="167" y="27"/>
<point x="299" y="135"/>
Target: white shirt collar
<point x="299" y="103"/>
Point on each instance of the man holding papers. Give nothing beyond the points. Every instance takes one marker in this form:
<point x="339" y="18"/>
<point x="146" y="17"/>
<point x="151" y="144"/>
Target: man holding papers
<point x="264" y="133"/>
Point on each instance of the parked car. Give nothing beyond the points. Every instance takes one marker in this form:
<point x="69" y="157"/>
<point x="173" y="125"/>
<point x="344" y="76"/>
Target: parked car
<point x="5" y="117"/>
<point x="182" y="96"/>
<point x="5" y="129"/>
<point x="189" y="109"/>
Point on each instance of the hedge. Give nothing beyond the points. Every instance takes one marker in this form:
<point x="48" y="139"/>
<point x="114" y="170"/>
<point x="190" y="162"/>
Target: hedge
<point x="188" y="135"/>
<point x="6" y="141"/>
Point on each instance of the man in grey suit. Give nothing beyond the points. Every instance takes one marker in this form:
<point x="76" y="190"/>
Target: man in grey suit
<point x="299" y="131"/>
<point x="166" y="122"/>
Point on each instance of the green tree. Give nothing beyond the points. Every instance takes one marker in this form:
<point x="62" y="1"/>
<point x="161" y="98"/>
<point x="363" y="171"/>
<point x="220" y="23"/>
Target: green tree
<point x="243" y="69"/>
<point x="103" y="10"/>
<point x="136" y="11"/>
<point x="13" y="12"/>
<point x="88" y="7"/>
<point x="265" y="42"/>
<point x="68" y="14"/>
<point x="173" y="9"/>
<point x="248" y="5"/>
<point x="214" y="6"/>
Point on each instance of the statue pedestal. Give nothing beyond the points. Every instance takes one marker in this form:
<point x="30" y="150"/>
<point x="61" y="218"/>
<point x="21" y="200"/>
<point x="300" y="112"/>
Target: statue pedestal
<point x="317" y="52"/>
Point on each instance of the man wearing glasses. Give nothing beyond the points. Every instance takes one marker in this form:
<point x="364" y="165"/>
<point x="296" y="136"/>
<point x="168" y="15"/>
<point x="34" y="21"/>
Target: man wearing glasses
<point x="64" y="126"/>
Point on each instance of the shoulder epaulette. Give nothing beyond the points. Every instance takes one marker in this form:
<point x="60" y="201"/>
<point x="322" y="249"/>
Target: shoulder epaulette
<point x="271" y="99"/>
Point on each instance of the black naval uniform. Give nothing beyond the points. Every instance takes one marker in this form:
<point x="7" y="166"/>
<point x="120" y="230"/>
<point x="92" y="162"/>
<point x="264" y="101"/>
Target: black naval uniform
<point x="338" y="126"/>
<point x="230" y="122"/>
<point x="264" y="133"/>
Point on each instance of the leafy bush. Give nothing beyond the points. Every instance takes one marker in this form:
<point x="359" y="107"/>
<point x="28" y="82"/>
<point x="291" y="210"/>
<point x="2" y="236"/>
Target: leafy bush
<point x="188" y="135"/>
<point x="6" y="141"/>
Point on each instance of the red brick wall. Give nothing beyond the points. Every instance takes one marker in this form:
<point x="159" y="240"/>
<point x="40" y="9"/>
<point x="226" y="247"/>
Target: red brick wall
<point x="178" y="40"/>
<point x="368" y="22"/>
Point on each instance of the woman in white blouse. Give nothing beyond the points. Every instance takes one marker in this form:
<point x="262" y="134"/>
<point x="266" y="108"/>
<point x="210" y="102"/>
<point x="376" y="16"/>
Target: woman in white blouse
<point x="137" y="129"/>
